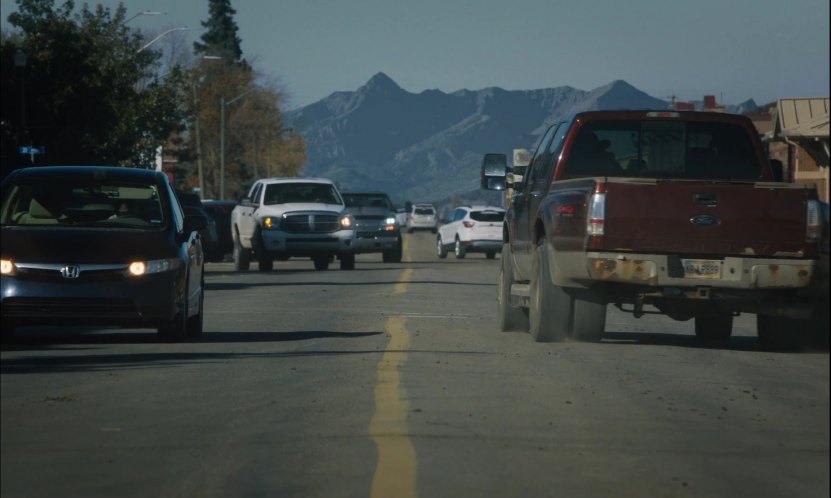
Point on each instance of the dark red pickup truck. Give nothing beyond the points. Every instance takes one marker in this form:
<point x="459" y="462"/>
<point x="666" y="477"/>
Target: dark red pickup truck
<point x="678" y="212"/>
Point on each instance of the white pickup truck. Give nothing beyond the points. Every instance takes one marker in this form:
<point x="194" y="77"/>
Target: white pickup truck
<point x="293" y="217"/>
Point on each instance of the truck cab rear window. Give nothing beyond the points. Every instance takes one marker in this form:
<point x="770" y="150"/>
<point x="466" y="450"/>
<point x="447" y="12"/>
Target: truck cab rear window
<point x="663" y="149"/>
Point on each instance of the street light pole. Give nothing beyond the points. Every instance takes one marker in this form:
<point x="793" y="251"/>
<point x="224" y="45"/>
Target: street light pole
<point x="222" y="105"/>
<point x="144" y="13"/>
<point x="154" y="40"/>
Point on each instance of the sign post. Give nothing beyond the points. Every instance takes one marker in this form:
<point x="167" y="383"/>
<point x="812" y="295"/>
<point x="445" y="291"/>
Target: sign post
<point x="32" y="151"/>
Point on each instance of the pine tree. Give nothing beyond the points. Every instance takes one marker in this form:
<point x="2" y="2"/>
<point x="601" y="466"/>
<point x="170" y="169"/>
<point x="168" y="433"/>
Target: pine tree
<point x="221" y="38"/>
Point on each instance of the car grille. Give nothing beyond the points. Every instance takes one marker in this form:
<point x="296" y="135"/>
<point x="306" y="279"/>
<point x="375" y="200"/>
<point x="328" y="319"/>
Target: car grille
<point x="52" y="273"/>
<point x="310" y="223"/>
<point x="68" y="307"/>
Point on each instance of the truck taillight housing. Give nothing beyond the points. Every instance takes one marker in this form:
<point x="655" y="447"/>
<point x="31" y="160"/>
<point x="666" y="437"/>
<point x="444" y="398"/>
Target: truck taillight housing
<point x="596" y="219"/>
<point x="813" y="225"/>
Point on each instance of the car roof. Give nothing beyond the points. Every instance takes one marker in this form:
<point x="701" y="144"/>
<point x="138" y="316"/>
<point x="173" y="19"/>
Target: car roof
<point x="116" y="172"/>
<point x="296" y="179"/>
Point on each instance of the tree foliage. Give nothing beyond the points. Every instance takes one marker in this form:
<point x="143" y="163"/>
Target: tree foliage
<point x="85" y="93"/>
<point x="91" y="96"/>
<point x="221" y="38"/>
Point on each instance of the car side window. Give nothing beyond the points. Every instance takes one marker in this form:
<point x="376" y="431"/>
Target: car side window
<point x="177" y="215"/>
<point x="459" y="215"/>
<point x="554" y="150"/>
<point x="258" y="194"/>
<point x="539" y="161"/>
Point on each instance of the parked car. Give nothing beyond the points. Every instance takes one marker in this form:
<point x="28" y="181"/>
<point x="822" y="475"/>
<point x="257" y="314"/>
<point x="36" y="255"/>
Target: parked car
<point x="192" y="205"/>
<point x="472" y="229"/>
<point x="376" y="227"/>
<point x="422" y="217"/>
<point x="99" y="246"/>
<point x="221" y="213"/>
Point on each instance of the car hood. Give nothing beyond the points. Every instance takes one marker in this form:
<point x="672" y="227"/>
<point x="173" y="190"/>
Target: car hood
<point x="81" y="245"/>
<point x="280" y="209"/>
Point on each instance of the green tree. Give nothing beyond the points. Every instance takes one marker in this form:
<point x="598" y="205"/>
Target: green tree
<point x="86" y="93"/>
<point x="221" y="38"/>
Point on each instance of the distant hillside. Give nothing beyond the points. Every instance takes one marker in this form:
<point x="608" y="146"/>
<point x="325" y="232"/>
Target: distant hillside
<point x="428" y="146"/>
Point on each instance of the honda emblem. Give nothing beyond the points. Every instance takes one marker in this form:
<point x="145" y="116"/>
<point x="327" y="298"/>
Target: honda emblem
<point x="70" y="272"/>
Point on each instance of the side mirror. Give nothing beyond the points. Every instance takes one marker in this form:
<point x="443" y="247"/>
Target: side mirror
<point x="494" y="170"/>
<point x="778" y="170"/>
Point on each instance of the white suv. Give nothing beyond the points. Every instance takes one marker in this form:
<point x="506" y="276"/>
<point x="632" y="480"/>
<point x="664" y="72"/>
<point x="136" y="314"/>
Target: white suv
<point x="422" y="217"/>
<point x="472" y="229"/>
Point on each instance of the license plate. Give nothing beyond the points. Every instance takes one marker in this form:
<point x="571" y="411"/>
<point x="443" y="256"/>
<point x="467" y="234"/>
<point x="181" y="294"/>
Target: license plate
<point x="702" y="268"/>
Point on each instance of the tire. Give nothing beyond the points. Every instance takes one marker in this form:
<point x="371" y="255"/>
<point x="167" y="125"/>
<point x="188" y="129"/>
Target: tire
<point x="490" y="255"/>
<point x="410" y="230"/>
<point x="264" y="260"/>
<point x="782" y="334"/>
<point x="441" y="251"/>
<point x="347" y="261"/>
<point x="242" y="256"/>
<point x="715" y="328"/>
<point x="589" y="317"/>
<point x="176" y="329"/>
<point x="394" y="255"/>
<point x="459" y="249"/>
<point x="321" y="263"/>
<point x="549" y="313"/>
<point x="510" y="318"/>
<point x="195" y="323"/>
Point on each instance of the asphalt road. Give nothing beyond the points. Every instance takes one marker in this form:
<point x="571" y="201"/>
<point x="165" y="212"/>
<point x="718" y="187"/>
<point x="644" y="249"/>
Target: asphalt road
<point x="393" y="381"/>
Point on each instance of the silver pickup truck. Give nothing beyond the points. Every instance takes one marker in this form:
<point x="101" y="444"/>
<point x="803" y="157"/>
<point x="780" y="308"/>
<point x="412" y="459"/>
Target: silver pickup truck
<point x="283" y="218"/>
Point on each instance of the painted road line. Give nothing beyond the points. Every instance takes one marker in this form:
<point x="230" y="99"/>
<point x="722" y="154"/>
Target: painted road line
<point x="395" y="474"/>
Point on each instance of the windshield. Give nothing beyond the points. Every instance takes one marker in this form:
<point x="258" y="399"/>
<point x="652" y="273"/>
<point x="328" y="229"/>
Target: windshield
<point x="367" y="201"/>
<point x="76" y="202"/>
<point x="284" y="193"/>
<point x="663" y="149"/>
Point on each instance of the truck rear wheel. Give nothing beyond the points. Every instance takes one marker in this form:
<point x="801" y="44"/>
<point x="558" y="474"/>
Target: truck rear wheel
<point x="589" y="320"/>
<point x="550" y="309"/>
<point x="716" y="328"/>
<point x="779" y="333"/>
<point x="510" y="318"/>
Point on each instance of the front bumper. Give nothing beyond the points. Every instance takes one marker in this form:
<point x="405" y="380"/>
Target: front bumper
<point x="377" y="243"/>
<point x="308" y="244"/>
<point x="149" y="301"/>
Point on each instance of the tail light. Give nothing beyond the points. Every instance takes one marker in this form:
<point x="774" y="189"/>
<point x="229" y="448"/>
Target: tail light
<point x="596" y="219"/>
<point x="468" y="224"/>
<point x="813" y="226"/>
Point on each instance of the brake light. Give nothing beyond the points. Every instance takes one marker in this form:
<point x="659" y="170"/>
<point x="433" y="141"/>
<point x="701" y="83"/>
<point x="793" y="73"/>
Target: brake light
<point x="468" y="224"/>
<point x="596" y="219"/>
<point x="813" y="228"/>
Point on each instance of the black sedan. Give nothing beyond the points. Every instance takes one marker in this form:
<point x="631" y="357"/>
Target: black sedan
<point x="99" y="246"/>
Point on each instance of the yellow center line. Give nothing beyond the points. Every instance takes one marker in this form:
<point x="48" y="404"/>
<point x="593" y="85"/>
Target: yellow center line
<point x="395" y="474"/>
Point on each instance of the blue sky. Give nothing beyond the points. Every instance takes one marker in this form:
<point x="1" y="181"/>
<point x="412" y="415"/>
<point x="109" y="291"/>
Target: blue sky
<point x="734" y="49"/>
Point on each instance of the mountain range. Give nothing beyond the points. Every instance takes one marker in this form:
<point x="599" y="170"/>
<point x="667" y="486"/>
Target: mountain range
<point x="428" y="146"/>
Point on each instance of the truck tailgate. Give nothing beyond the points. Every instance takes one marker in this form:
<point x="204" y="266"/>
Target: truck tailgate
<point x="707" y="218"/>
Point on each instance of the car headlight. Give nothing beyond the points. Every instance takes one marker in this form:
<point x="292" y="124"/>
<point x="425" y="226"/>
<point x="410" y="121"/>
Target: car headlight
<point x="347" y="221"/>
<point x="390" y="224"/>
<point x="6" y="267"/>
<point x="139" y="268"/>
<point x="271" y="222"/>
